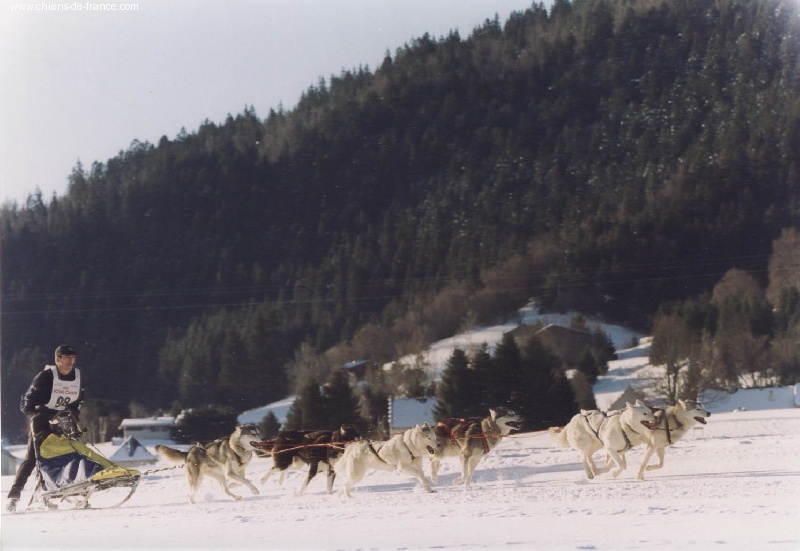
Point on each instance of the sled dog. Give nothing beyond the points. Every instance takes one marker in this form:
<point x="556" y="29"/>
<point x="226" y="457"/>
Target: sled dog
<point x="221" y="459"/>
<point x="582" y="433"/>
<point x="294" y="449"/>
<point x="621" y="431"/>
<point x="671" y="424"/>
<point x="471" y="439"/>
<point x="401" y="453"/>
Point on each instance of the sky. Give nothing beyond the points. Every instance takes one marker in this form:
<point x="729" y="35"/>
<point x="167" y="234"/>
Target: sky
<point x="81" y="85"/>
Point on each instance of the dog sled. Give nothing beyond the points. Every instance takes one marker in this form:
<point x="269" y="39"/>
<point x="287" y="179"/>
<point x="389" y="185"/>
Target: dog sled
<point x="70" y="475"/>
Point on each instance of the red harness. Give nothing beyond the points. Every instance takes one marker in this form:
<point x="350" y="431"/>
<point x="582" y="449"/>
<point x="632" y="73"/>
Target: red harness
<point x="484" y="441"/>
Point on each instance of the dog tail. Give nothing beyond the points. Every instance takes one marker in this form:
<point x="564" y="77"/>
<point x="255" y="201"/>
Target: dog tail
<point x="172" y="455"/>
<point x="558" y="435"/>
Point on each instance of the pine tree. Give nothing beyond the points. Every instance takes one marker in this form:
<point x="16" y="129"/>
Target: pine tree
<point x="484" y="369"/>
<point x="506" y="378"/>
<point x="537" y="373"/>
<point x="269" y="426"/>
<point x="341" y="406"/>
<point x="308" y="410"/>
<point x="454" y="392"/>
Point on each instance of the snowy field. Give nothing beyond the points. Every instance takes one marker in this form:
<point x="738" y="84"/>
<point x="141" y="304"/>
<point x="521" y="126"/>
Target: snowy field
<point x="732" y="485"/>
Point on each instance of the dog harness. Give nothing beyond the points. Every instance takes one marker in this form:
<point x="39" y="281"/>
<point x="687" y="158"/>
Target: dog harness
<point x="666" y="425"/>
<point x="596" y="432"/>
<point x="409" y="450"/>
<point x="450" y="434"/>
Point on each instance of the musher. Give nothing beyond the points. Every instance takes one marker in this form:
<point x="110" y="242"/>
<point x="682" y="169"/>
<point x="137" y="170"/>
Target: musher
<point x="56" y="388"/>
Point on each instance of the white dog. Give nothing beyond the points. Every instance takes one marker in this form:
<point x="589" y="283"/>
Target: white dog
<point x="671" y="424"/>
<point x="622" y="430"/>
<point x="401" y="453"/>
<point x="582" y="434"/>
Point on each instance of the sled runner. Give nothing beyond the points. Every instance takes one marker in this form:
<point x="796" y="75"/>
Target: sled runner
<point x="72" y="476"/>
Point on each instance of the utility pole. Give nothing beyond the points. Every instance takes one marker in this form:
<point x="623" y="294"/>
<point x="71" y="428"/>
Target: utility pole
<point x="389" y="401"/>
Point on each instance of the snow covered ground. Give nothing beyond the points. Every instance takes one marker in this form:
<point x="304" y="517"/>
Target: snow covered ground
<point x="732" y="485"/>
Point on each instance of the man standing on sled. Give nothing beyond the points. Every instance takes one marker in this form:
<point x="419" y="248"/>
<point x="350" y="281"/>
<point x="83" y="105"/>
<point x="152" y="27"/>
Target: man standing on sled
<point x="56" y="388"/>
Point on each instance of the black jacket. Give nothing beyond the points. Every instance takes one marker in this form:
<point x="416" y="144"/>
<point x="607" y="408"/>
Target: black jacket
<point x="38" y="394"/>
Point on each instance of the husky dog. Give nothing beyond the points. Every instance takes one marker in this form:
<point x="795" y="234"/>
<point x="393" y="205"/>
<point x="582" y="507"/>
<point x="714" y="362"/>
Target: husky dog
<point x="294" y="449"/>
<point x="401" y="453"/>
<point x="471" y="439"/>
<point x="221" y="459"/>
<point x="671" y="424"/>
<point x="583" y="434"/>
<point x="621" y="431"/>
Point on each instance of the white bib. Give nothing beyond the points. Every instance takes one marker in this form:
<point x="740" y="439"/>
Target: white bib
<point x="64" y="392"/>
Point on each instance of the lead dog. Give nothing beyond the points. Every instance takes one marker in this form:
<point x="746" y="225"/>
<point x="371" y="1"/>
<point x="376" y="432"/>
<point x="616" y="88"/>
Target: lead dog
<point x="401" y="453"/>
<point x="294" y="449"/>
<point x="615" y="432"/>
<point x="221" y="459"/>
<point x="671" y="424"/>
<point x="471" y="439"/>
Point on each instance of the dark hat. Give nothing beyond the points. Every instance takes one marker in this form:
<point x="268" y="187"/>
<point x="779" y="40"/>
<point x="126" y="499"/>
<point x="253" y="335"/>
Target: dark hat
<point x="65" y="350"/>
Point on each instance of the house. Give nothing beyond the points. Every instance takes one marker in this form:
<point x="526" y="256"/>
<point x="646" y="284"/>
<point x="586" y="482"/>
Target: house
<point x="148" y="428"/>
<point x="565" y="343"/>
<point x="356" y="369"/>
<point x="132" y="454"/>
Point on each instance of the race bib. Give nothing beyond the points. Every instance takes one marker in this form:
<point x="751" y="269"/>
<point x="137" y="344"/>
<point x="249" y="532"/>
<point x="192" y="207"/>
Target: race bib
<point x="64" y="392"/>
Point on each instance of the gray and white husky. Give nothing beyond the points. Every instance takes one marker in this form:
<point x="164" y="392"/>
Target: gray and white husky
<point x="221" y="459"/>
<point x="402" y="453"/>
<point x="470" y="439"/>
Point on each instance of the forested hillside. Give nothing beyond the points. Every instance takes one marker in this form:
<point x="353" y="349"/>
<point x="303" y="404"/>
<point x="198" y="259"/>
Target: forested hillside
<point x="606" y="156"/>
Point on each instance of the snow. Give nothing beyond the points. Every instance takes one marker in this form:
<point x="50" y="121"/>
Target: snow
<point x="256" y="415"/>
<point x="731" y="485"/>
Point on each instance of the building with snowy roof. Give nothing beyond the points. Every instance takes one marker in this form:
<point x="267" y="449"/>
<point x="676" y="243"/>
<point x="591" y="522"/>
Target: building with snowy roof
<point x="148" y="428"/>
<point x="132" y="454"/>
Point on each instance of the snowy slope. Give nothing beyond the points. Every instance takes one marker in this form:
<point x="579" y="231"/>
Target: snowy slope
<point x="731" y="486"/>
